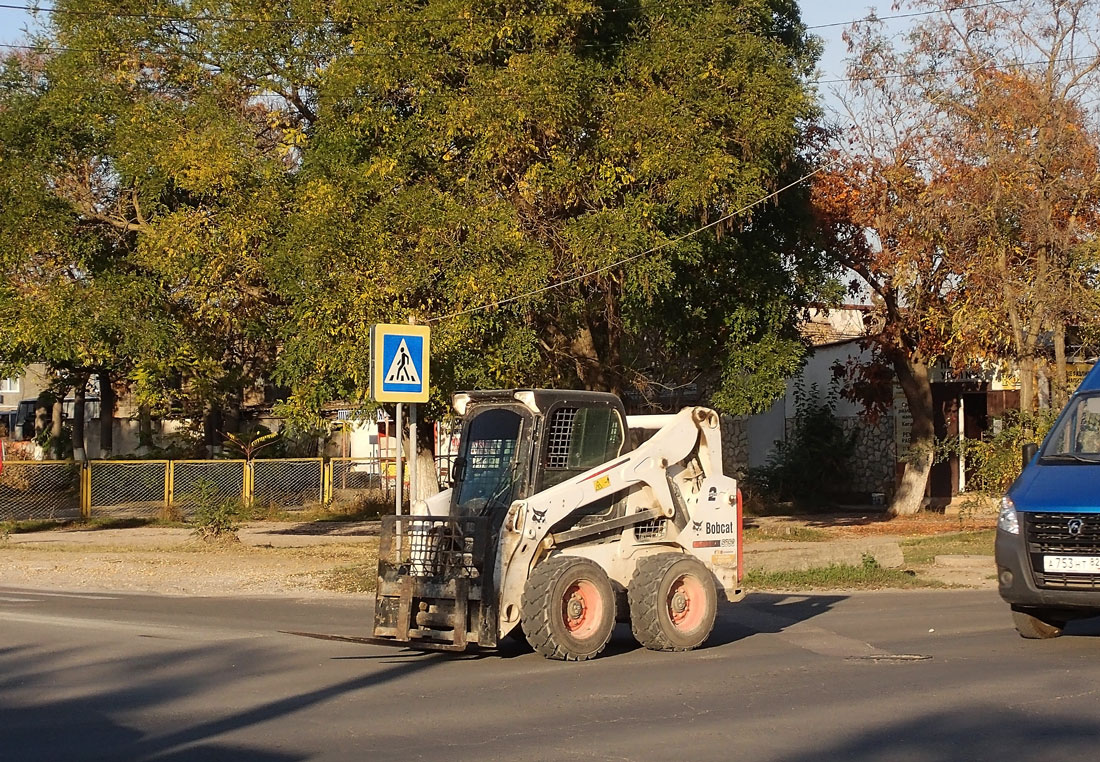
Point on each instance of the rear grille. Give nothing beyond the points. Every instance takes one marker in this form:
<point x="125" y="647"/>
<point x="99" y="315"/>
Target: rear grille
<point x="1049" y="534"/>
<point x="649" y="531"/>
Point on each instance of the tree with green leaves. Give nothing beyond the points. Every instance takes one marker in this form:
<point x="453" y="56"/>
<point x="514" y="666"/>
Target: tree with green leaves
<point x="525" y="178"/>
<point x="140" y="191"/>
<point x="262" y="181"/>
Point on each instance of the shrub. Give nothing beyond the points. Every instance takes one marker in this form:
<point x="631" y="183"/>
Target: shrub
<point x="815" y="459"/>
<point x="995" y="459"/>
<point x="213" y="518"/>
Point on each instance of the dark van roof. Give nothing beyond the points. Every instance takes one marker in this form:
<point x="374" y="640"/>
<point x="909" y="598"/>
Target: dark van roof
<point x="1091" y="382"/>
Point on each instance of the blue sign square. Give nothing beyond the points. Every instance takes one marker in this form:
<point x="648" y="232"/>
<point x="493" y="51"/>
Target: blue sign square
<point x="402" y="363"/>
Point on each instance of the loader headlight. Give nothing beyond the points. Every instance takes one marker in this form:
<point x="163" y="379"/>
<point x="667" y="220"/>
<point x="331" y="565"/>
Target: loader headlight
<point x="528" y="399"/>
<point x="1008" y="521"/>
<point x="460" y="402"/>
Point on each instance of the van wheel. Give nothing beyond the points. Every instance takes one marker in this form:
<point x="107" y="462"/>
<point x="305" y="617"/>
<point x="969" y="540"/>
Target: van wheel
<point x="1036" y="624"/>
<point x="568" y="608"/>
<point x="673" y="602"/>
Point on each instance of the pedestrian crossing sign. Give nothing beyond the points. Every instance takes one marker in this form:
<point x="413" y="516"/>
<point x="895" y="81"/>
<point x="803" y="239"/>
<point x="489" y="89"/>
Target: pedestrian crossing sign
<point x="399" y="363"/>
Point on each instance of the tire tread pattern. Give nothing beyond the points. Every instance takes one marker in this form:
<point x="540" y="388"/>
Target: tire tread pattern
<point x="646" y="604"/>
<point x="537" y="606"/>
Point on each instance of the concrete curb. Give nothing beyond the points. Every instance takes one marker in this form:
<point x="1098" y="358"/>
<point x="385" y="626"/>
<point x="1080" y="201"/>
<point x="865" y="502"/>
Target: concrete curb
<point x="964" y="561"/>
<point x="774" y="556"/>
<point x="254" y="533"/>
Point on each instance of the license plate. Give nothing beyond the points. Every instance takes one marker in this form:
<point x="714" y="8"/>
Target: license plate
<point x="1072" y="564"/>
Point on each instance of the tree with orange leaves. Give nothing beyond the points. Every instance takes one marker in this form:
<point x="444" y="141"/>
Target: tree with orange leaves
<point x="1020" y="181"/>
<point x="964" y="194"/>
<point x="875" y="202"/>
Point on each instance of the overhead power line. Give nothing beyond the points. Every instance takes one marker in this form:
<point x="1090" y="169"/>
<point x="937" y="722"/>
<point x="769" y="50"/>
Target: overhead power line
<point x="913" y="14"/>
<point x="416" y="19"/>
<point x="390" y="54"/>
<point x="634" y="257"/>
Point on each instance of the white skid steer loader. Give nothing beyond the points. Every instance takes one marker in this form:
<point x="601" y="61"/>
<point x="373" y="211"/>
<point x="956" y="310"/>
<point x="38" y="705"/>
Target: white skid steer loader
<point x="556" y="526"/>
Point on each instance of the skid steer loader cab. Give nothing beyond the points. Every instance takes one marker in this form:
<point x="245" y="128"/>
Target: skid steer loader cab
<point x="555" y="524"/>
<point x="512" y="449"/>
<point x="488" y="473"/>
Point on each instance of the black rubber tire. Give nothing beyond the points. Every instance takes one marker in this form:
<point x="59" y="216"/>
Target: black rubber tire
<point x="649" y="590"/>
<point x="543" y="613"/>
<point x="1034" y="624"/>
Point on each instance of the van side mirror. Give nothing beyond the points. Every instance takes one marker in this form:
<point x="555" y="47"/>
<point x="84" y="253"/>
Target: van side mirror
<point x="1028" y="453"/>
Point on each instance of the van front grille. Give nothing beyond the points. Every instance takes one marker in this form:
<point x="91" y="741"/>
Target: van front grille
<point x="1053" y="533"/>
<point x="1062" y="534"/>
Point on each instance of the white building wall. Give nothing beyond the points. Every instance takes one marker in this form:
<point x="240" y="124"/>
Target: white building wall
<point x="819" y="370"/>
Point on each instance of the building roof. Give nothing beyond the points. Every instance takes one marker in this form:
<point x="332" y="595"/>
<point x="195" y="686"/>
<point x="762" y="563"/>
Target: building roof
<point x="834" y="325"/>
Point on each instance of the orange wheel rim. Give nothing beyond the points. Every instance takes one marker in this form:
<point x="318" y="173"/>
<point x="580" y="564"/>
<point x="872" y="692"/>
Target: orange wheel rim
<point x="581" y="609"/>
<point x="686" y="603"/>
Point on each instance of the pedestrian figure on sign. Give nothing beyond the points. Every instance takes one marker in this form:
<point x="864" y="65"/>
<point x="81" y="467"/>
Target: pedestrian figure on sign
<point x="403" y="360"/>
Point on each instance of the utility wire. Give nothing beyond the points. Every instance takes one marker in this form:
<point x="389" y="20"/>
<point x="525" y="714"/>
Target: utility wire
<point x="349" y="96"/>
<point x="500" y="302"/>
<point x="933" y="72"/>
<point x="633" y="257"/>
<point x="445" y="19"/>
<point x="913" y="14"/>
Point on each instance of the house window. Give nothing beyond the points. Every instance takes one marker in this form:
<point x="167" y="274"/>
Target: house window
<point x="9" y="385"/>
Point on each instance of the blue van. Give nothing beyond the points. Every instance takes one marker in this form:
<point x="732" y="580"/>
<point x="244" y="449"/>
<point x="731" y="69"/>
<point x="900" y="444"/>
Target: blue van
<point x="1048" y="532"/>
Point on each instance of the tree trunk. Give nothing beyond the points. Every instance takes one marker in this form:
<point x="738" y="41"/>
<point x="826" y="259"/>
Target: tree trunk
<point x="914" y="381"/>
<point x="1060" y="393"/>
<point x="594" y="363"/>
<point x="211" y="428"/>
<point x="41" y="416"/>
<point x="106" y="415"/>
<point x="231" y="412"/>
<point x="145" y="430"/>
<point x="56" y="425"/>
<point x="80" y="393"/>
<point x="427" y="473"/>
<point x="427" y="478"/>
<point x="587" y="360"/>
<point x="1026" y="368"/>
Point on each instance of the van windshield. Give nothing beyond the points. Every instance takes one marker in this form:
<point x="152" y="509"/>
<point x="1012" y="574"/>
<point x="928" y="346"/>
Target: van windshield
<point x="1076" y="435"/>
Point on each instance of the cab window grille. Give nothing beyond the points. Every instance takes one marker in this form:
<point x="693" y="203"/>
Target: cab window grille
<point x="560" y="437"/>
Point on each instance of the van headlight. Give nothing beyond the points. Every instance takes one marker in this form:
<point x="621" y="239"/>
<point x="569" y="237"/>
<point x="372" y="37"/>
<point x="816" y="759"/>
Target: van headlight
<point x="1008" y="521"/>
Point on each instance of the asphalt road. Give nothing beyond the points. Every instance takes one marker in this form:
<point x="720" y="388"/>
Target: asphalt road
<point x="907" y="676"/>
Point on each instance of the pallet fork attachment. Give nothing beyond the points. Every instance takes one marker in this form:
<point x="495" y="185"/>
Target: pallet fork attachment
<point x="434" y="591"/>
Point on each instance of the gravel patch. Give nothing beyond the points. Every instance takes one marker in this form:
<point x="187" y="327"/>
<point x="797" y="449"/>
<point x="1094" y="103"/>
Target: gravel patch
<point x="171" y="561"/>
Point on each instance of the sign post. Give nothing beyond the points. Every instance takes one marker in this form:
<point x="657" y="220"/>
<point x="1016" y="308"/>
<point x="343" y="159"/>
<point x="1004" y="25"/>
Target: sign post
<point x="399" y="363"/>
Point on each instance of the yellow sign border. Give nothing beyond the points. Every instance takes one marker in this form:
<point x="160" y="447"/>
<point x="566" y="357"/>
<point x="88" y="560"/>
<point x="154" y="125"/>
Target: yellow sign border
<point x="378" y="333"/>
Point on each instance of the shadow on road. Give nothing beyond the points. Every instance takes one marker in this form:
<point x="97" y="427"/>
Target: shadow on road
<point x="977" y="733"/>
<point x="87" y="725"/>
<point x="756" y="613"/>
<point x="767" y="613"/>
<point x="320" y="529"/>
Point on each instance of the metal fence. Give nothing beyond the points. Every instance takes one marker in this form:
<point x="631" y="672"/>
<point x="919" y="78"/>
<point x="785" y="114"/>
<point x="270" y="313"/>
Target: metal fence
<point x="197" y="482"/>
<point x="41" y="490"/>
<point x="124" y="489"/>
<point x="173" y="489"/>
<point x="288" y="483"/>
<point x="360" y="479"/>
